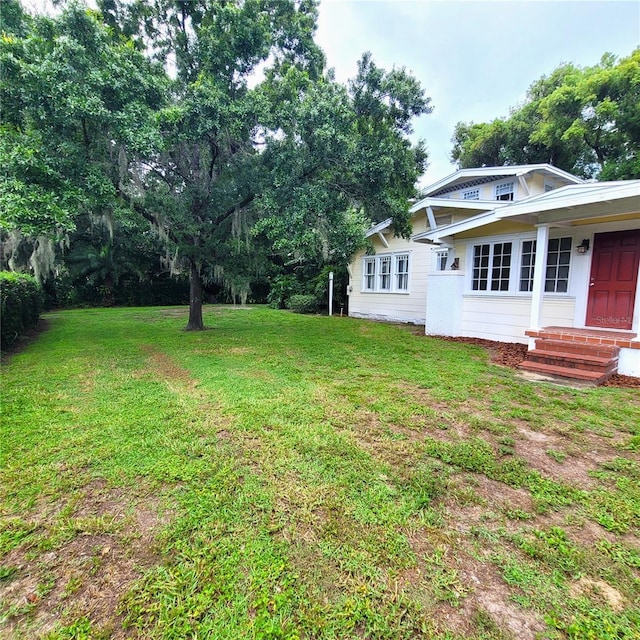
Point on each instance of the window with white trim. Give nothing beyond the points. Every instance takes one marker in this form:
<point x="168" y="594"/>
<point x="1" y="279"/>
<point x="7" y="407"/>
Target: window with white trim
<point x="527" y="261"/>
<point x="369" y="272"/>
<point x="441" y="260"/>
<point x="387" y="273"/>
<point x="504" y="191"/>
<point x="491" y="266"/>
<point x="472" y="194"/>
<point x="401" y="272"/>
<point x="557" y="268"/>
<point x="558" y="260"/>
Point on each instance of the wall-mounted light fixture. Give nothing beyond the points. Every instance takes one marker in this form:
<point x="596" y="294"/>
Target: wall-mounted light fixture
<point x="583" y="247"/>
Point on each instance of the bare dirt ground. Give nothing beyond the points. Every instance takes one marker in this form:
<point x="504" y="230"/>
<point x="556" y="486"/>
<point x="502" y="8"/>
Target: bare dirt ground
<point x="86" y="576"/>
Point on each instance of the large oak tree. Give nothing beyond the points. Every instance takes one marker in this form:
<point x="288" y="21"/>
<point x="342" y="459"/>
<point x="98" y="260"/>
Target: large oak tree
<point x="249" y="148"/>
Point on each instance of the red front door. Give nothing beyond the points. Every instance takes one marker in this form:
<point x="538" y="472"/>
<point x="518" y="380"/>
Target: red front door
<point x="614" y="277"/>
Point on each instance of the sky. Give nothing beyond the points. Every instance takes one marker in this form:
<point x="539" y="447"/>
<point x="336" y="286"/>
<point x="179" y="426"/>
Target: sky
<point x="475" y="59"/>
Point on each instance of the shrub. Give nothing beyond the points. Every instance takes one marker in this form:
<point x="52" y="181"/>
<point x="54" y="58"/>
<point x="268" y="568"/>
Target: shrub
<point x="303" y="304"/>
<point x="282" y="288"/>
<point x="20" y="305"/>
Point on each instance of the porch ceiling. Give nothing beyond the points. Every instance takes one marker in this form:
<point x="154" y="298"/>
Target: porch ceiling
<point x="611" y="211"/>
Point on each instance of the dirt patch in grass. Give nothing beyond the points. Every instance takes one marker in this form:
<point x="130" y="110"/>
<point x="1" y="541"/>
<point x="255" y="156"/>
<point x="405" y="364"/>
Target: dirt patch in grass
<point x="459" y="589"/>
<point x="601" y="590"/>
<point x="107" y="545"/>
<point x="168" y="369"/>
<point x="547" y="454"/>
<point x="166" y="366"/>
<point x="492" y="596"/>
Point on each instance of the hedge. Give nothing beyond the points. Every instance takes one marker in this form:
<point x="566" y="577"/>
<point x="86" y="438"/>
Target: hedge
<point x="20" y="305"/>
<point x="303" y="304"/>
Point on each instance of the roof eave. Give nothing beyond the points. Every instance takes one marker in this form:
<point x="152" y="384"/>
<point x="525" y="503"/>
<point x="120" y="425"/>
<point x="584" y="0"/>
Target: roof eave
<point x="515" y="170"/>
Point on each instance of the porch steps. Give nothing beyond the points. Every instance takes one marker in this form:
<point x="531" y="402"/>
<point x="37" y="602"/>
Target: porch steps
<point x="570" y="359"/>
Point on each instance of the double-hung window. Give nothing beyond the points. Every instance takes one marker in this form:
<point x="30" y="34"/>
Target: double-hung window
<point x="385" y="273"/>
<point x="471" y="194"/>
<point x="402" y="272"/>
<point x="527" y="261"/>
<point x="441" y="260"/>
<point x="369" y="274"/>
<point x="558" y="259"/>
<point x="491" y="266"/>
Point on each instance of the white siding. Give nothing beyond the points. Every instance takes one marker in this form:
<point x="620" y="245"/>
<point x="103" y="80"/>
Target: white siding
<point x="506" y="318"/>
<point x="393" y="307"/>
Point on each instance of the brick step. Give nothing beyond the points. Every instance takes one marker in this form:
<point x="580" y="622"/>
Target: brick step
<point x="597" y="377"/>
<point x="578" y="348"/>
<point x="566" y="359"/>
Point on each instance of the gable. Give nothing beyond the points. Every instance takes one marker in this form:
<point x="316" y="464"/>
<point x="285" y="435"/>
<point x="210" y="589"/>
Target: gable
<point x="533" y="178"/>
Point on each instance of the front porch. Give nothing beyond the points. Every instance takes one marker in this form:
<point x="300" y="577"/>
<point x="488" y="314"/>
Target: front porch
<point x="591" y="355"/>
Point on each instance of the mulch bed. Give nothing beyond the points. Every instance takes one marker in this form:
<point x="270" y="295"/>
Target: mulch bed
<point x="511" y="354"/>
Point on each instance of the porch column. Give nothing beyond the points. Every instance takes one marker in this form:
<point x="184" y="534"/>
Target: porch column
<point x="542" y="243"/>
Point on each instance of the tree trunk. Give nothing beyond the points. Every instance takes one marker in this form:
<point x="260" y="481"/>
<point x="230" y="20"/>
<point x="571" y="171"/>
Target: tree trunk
<point x="195" y="300"/>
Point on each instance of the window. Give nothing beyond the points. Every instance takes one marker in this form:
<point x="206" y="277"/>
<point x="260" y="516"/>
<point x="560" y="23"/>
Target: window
<point x="491" y="266"/>
<point x="480" y="266"/>
<point x="526" y="265"/>
<point x="501" y="266"/>
<point x="558" y="258"/>
<point x="504" y="191"/>
<point x="441" y="260"/>
<point x="369" y="274"/>
<point x="388" y="273"/>
<point x="557" y="272"/>
<point x="548" y="186"/>
<point x="472" y="194"/>
<point x="385" y="273"/>
<point x="402" y="272"/>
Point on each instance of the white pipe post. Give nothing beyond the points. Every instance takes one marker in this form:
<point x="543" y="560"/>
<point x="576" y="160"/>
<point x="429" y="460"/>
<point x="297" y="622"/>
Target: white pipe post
<point x="330" y="293"/>
<point x="539" y="270"/>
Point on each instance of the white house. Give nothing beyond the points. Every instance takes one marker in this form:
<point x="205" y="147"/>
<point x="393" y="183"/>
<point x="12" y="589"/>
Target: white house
<point x="473" y="268"/>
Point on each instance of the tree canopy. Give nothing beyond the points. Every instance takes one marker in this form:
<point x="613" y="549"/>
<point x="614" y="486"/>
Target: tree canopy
<point x="215" y="121"/>
<point x="70" y="93"/>
<point x="583" y="120"/>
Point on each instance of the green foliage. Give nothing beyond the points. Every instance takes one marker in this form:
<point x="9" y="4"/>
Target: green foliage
<point x="153" y="107"/>
<point x="76" y="102"/>
<point x="583" y="120"/>
<point x="302" y="303"/>
<point x="594" y="623"/>
<point x="20" y="305"/>
<point x="296" y="166"/>
<point x="281" y="289"/>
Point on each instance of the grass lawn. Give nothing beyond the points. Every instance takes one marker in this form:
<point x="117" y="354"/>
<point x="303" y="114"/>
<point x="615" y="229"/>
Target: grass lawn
<point x="287" y="476"/>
